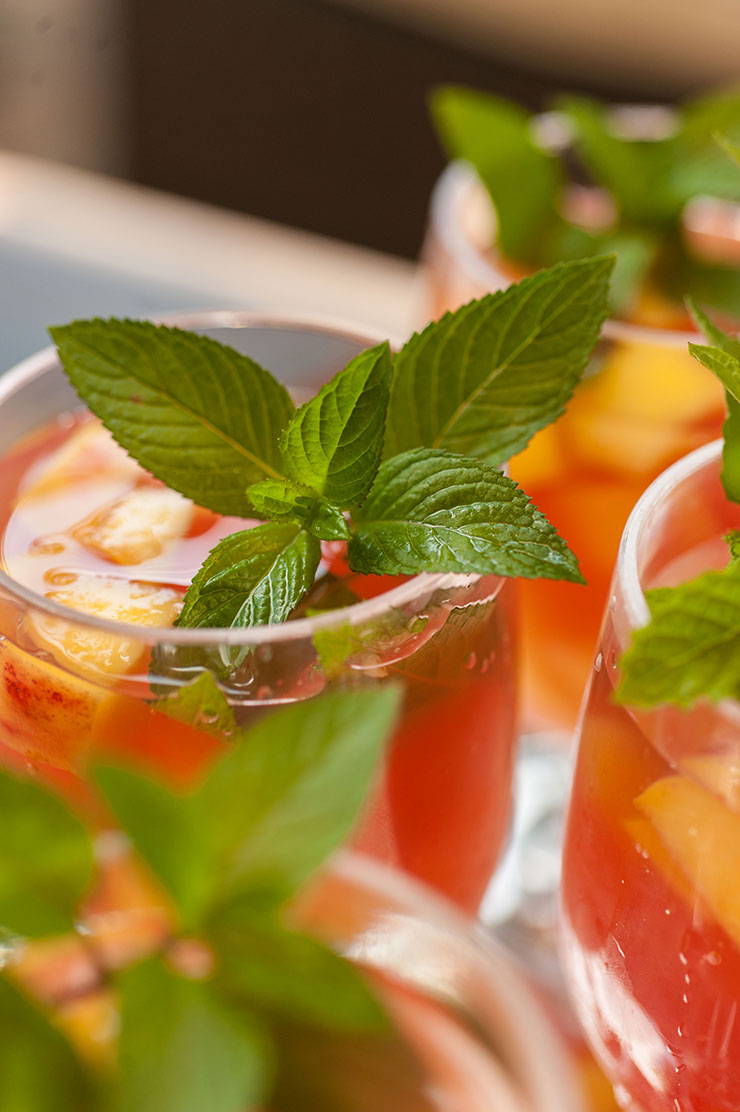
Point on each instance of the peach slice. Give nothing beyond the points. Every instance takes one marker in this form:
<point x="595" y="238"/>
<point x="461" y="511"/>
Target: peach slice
<point x="45" y="714"/>
<point x="703" y="839"/>
<point x="89" y="451"/>
<point x="719" y="772"/>
<point x="96" y="653"/>
<point x="136" y="527"/>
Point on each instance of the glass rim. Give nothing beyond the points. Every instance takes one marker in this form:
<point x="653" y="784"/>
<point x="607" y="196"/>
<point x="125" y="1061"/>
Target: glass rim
<point x="419" y="585"/>
<point x="551" y="1078"/>
<point x="639" y="522"/>
<point x="449" y="192"/>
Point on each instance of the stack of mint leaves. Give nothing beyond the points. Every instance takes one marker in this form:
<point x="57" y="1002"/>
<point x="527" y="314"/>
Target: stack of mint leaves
<point x="649" y="180"/>
<point x="256" y="1024"/>
<point x="398" y="455"/>
<point x="690" y="649"/>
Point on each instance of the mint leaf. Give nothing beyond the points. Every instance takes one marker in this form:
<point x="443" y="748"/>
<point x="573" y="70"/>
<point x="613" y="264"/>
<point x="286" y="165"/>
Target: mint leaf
<point x="724" y="362"/>
<point x="435" y="511"/>
<point x="304" y="768"/>
<point x="523" y="180"/>
<point x="518" y="355"/>
<point x="164" y="828"/>
<point x="268" y="969"/>
<point x="200" y="703"/>
<point x="281" y="500"/>
<point x="181" y="1049"/>
<point x="636" y="172"/>
<point x="254" y="577"/>
<point x="691" y="648"/>
<point x="197" y="414"/>
<point x="45" y="860"/>
<point x="733" y="542"/>
<point x="39" y="1071"/>
<point x="334" y="442"/>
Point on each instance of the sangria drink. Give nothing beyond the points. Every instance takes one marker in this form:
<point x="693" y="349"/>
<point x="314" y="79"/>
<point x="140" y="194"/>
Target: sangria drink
<point x="651" y="919"/>
<point x="466" y="1034"/>
<point x="644" y="402"/>
<point x="96" y="556"/>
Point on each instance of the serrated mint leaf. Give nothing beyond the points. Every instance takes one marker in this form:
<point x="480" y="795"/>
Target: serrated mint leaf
<point x="45" y="860"/>
<point x="724" y="362"/>
<point x="290" y="793"/>
<point x="39" y="1070"/>
<point x="691" y="648"/>
<point x="435" y="511"/>
<point x="732" y="540"/>
<point x="483" y="380"/>
<point x="200" y="703"/>
<point x="197" y="414"/>
<point x="182" y="1049"/>
<point x="264" y="967"/>
<point x="334" y="442"/>
<point x="524" y="181"/>
<point x="282" y="500"/>
<point x="255" y="577"/>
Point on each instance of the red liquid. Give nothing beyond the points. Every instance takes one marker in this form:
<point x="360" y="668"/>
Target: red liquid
<point x="651" y="888"/>
<point x="441" y="810"/>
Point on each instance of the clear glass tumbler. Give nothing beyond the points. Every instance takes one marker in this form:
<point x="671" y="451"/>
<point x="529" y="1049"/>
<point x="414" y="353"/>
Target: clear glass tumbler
<point x="74" y="685"/>
<point x="650" y="892"/>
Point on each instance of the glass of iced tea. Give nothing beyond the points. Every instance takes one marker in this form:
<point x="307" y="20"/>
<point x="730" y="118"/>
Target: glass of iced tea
<point x="650" y="894"/>
<point x="644" y="402"/>
<point x="468" y="1036"/>
<point x="95" y="558"/>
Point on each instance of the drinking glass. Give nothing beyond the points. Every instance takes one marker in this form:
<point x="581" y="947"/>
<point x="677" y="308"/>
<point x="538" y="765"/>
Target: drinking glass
<point x="650" y="894"/>
<point x="644" y="402"/>
<point x="479" y="1039"/>
<point x="441" y="807"/>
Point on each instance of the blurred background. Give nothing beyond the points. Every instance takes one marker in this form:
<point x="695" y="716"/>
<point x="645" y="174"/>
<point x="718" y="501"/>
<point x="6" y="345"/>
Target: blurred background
<point x="311" y="113"/>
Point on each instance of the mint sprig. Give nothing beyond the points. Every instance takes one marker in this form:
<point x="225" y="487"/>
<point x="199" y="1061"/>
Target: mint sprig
<point x="478" y="383"/>
<point x="649" y="180"/>
<point x="230" y="856"/>
<point x="690" y="649"/>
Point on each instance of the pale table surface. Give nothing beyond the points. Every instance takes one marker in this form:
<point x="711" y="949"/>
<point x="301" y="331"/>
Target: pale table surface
<point x="75" y="244"/>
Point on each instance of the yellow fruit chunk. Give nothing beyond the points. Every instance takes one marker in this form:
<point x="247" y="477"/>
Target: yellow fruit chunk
<point x="703" y="839"/>
<point x="543" y="461"/>
<point x="97" y="653"/>
<point x="136" y="527"/>
<point x="651" y="381"/>
<point x="720" y="773"/>
<point x="45" y="714"/>
<point x="89" y="452"/>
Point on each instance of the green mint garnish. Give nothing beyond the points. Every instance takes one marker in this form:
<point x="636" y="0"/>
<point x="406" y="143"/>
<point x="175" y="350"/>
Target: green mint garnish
<point x="333" y="444"/>
<point x="650" y="181"/>
<point x="723" y="360"/>
<point x="430" y="508"/>
<point x="230" y="855"/>
<point x="39" y="1069"/>
<point x="478" y="383"/>
<point x="691" y="648"/>
<point x="254" y="577"/>
<point x="46" y="863"/>
<point x="197" y="414"/>
<point x="183" y="1048"/>
<point x="481" y="381"/>
<point x="200" y="703"/>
